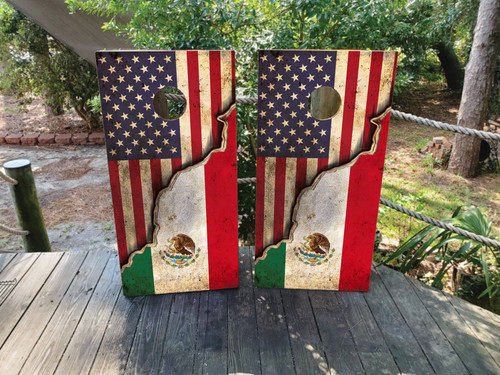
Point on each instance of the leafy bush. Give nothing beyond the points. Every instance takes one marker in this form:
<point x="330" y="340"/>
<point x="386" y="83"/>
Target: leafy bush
<point x="36" y="63"/>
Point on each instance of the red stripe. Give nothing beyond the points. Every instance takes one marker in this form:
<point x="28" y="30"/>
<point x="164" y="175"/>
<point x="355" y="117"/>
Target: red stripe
<point x="156" y="181"/>
<point x="116" y="196"/>
<point x="279" y="198"/>
<point x="300" y="175"/>
<point x="194" y="105"/>
<point x="259" y="206"/>
<point x="372" y="97"/>
<point x="215" y="96"/>
<point x="137" y="202"/>
<point x="176" y="165"/>
<point x="365" y="183"/>
<point x="349" y="106"/>
<point x="221" y="194"/>
<point x="322" y="165"/>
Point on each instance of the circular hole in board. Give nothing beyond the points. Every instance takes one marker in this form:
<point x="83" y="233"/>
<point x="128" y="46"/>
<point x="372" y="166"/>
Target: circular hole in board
<point x="169" y="109"/>
<point x="324" y="103"/>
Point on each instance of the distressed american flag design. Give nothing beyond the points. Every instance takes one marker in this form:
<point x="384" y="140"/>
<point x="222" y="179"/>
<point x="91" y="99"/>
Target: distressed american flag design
<point x="144" y="150"/>
<point x="293" y="146"/>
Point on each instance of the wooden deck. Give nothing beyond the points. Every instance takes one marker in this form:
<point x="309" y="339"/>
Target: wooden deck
<point x="66" y="315"/>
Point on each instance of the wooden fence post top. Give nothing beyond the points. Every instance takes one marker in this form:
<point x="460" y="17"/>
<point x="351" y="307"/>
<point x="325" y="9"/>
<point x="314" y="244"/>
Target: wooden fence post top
<point x="15" y="164"/>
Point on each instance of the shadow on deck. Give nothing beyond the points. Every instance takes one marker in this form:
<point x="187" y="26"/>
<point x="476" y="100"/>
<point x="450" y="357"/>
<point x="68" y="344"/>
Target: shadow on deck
<point x="66" y="315"/>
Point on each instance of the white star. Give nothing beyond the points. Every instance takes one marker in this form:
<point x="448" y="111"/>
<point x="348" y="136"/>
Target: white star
<point x="160" y="68"/>
<point x="276" y="148"/>
<point x="312" y="58"/>
<point x="271" y="68"/>
<point x="303" y="68"/>
<point x="102" y="60"/>
<point x="151" y="59"/>
<point x="135" y="59"/>
<point x="263" y="95"/>
<point x="144" y="69"/>
<point x="328" y="58"/>
<point x="280" y="58"/>
<point x="269" y="140"/>
<point x="326" y="77"/>
<point x="310" y="78"/>
<point x="263" y="76"/>
<point x="263" y="58"/>
<point x="288" y="67"/>
<point x="167" y="59"/>
<point x="296" y="58"/>
<point x="319" y="68"/>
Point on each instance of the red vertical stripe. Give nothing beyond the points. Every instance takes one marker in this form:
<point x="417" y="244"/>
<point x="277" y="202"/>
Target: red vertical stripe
<point x="215" y="96"/>
<point x="176" y="165"/>
<point x="322" y="165"/>
<point x="116" y="196"/>
<point x="279" y="198"/>
<point x="137" y="202"/>
<point x="156" y="181"/>
<point x="259" y="206"/>
<point x="365" y="183"/>
<point x="349" y="106"/>
<point x="194" y="105"/>
<point x="221" y="194"/>
<point x="372" y="97"/>
<point x="300" y="175"/>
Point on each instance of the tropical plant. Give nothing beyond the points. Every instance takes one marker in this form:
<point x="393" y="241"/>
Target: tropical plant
<point x="453" y="250"/>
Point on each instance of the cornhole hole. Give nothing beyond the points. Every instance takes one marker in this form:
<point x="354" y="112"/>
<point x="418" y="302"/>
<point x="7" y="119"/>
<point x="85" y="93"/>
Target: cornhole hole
<point x="172" y="167"/>
<point x="322" y="133"/>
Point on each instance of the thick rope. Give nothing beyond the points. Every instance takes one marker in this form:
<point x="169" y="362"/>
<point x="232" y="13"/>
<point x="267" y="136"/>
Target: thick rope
<point x="416" y="215"/>
<point x="429" y="220"/>
<point x="445" y="126"/>
<point x="14" y="231"/>
<point x="10" y="180"/>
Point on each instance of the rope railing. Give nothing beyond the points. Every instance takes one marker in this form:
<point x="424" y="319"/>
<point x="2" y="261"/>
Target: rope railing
<point x="429" y="220"/>
<point x="10" y="180"/>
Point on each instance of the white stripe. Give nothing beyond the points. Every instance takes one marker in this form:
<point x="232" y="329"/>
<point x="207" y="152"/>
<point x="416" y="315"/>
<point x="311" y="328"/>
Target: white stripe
<point x="269" y="182"/>
<point x="128" y="207"/>
<point x="166" y="171"/>
<point x="336" y="127"/>
<point x="226" y="79"/>
<point x="205" y="101"/>
<point x="147" y="197"/>
<point x="185" y="119"/>
<point x="290" y="180"/>
<point x="360" y="107"/>
<point x="384" y="95"/>
<point x="312" y="170"/>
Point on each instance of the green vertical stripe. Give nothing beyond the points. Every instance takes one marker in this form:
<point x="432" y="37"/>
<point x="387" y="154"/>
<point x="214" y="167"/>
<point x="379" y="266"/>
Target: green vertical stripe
<point x="138" y="278"/>
<point x="270" y="272"/>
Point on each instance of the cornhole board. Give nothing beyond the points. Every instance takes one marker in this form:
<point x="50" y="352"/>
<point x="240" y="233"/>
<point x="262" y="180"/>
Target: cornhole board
<point x="173" y="182"/>
<point x="319" y="179"/>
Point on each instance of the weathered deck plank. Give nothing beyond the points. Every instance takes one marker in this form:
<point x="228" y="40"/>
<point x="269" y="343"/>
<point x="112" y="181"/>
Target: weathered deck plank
<point x="307" y="348"/>
<point x="54" y="340"/>
<point x="336" y="336"/>
<point x="83" y="346"/>
<point x="470" y="350"/>
<point x="182" y="330"/>
<point x="29" y="283"/>
<point x="400" y="326"/>
<point x="370" y="343"/>
<point x="398" y="336"/>
<point x="436" y="347"/>
<point x="19" y="346"/>
<point x="243" y="342"/>
<point x="145" y="353"/>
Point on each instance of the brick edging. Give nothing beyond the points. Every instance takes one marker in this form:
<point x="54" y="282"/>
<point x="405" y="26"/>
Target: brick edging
<point x="52" y="138"/>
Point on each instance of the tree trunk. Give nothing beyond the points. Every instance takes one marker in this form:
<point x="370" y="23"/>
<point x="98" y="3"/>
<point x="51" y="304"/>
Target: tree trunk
<point x="449" y="62"/>
<point x="479" y="72"/>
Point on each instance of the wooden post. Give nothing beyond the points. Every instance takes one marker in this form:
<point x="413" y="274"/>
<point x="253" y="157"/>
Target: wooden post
<point x="29" y="213"/>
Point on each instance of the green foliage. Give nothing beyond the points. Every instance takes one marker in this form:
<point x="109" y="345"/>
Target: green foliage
<point x="35" y="63"/>
<point x="453" y="250"/>
<point x="410" y="27"/>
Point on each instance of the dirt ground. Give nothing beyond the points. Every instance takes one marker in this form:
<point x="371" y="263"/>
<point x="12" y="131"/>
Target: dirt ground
<point x="73" y="184"/>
